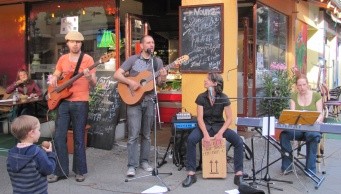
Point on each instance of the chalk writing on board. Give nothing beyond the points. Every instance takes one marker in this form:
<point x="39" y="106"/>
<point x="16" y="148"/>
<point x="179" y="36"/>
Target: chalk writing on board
<point x="103" y="105"/>
<point x="201" y="37"/>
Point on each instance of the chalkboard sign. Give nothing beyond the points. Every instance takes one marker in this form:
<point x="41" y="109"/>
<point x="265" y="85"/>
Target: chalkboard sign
<point x="104" y="106"/>
<point x="201" y="37"/>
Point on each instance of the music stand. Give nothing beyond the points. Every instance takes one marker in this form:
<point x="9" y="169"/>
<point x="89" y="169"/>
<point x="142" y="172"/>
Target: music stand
<point x="298" y="117"/>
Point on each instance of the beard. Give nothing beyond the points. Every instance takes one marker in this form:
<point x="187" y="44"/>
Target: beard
<point x="75" y="50"/>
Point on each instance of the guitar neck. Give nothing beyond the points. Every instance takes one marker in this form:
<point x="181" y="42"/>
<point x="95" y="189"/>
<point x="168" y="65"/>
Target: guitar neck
<point x="158" y="72"/>
<point x="74" y="78"/>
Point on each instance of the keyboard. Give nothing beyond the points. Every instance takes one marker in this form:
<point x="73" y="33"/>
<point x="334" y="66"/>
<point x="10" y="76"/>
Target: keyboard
<point x="322" y="128"/>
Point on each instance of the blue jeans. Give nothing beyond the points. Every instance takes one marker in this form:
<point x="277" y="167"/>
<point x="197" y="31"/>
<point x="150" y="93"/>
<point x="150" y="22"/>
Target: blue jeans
<point x="230" y="136"/>
<point x="77" y="113"/>
<point x="312" y="139"/>
<point x="140" y="120"/>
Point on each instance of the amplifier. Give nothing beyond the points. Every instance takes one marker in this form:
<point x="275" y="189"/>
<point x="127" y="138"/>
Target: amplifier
<point x="184" y="126"/>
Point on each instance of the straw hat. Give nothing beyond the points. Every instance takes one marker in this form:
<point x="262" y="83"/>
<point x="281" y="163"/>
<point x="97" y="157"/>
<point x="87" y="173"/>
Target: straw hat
<point x="74" y="35"/>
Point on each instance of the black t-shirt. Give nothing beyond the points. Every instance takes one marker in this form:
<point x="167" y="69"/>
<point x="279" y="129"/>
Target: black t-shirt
<point x="213" y="114"/>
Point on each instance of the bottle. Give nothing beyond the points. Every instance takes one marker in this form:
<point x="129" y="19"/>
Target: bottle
<point x="16" y="95"/>
<point x="25" y="90"/>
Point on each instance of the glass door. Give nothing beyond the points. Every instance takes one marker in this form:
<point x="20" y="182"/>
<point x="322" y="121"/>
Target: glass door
<point x="135" y="28"/>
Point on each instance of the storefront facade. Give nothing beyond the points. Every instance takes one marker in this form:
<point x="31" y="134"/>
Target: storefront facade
<point x="255" y="35"/>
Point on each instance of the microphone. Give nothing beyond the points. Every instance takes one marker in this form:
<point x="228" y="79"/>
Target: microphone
<point x="210" y="90"/>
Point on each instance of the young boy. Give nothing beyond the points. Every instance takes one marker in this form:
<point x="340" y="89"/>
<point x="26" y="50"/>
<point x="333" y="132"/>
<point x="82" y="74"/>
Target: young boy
<point x="27" y="164"/>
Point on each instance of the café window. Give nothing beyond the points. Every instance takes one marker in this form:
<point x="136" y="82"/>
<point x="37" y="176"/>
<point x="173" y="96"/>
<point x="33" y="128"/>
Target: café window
<point x="49" y="22"/>
<point x="271" y="40"/>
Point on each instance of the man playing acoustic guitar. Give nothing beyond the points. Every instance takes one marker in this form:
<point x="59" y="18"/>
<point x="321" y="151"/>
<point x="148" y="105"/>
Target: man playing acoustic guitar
<point x="141" y="114"/>
<point x="74" y="107"/>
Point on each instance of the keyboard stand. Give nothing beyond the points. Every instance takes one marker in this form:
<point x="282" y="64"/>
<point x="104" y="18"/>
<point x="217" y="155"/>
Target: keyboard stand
<point x="318" y="180"/>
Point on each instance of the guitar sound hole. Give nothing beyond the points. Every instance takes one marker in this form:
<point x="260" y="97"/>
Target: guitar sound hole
<point x="143" y="82"/>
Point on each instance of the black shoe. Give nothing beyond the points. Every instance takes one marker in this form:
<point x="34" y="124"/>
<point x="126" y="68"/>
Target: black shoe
<point x="54" y="178"/>
<point x="239" y="178"/>
<point x="245" y="188"/>
<point x="189" y="180"/>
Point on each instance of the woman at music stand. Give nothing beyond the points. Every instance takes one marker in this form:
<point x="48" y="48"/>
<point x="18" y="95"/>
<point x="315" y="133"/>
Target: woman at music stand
<point x="303" y="99"/>
<point x="211" y="105"/>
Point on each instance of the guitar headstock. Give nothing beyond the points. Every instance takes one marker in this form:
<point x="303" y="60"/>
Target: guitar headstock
<point x="105" y="58"/>
<point x="181" y="59"/>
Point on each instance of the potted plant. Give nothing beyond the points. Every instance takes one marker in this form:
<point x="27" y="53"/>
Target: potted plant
<point x="278" y="83"/>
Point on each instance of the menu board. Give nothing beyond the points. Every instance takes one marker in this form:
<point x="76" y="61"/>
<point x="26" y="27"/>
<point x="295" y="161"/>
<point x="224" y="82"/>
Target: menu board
<point x="201" y="38"/>
<point x="104" y="106"/>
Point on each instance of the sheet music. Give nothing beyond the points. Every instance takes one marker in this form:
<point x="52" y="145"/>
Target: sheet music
<point x="266" y="126"/>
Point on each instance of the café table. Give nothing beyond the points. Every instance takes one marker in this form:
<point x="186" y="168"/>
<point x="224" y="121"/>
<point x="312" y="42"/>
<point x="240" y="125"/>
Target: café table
<point x="9" y="103"/>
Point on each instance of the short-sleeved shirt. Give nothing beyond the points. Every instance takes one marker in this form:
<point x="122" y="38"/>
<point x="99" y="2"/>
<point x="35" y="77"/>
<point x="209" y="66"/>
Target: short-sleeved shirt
<point x="80" y="88"/>
<point x="136" y="64"/>
<point x="213" y="114"/>
<point x="311" y="107"/>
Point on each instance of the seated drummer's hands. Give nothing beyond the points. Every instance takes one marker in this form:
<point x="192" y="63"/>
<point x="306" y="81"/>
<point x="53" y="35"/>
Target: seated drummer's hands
<point x="218" y="139"/>
<point x="206" y="141"/>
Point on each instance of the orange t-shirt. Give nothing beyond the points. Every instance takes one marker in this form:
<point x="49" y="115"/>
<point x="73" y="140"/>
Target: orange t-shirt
<point x="80" y="88"/>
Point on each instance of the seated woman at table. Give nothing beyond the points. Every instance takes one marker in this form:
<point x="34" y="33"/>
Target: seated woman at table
<point x="211" y="106"/>
<point x="25" y="86"/>
<point x="303" y="99"/>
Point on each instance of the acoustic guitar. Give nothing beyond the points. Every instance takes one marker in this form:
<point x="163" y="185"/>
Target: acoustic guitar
<point x="56" y="94"/>
<point x="145" y="78"/>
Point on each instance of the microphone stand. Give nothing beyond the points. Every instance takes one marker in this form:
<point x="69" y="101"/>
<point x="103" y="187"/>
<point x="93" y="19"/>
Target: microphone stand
<point x="267" y="177"/>
<point x="156" y="110"/>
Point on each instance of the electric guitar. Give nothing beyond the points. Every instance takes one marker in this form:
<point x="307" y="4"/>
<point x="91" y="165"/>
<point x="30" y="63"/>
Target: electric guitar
<point x="145" y="78"/>
<point x="57" y="94"/>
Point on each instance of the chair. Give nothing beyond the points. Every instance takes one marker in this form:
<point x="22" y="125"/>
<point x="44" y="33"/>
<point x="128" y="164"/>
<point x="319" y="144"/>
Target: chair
<point x="331" y="100"/>
<point x="5" y="112"/>
<point x="297" y="145"/>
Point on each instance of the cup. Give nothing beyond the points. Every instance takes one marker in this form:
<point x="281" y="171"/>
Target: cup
<point x="23" y="98"/>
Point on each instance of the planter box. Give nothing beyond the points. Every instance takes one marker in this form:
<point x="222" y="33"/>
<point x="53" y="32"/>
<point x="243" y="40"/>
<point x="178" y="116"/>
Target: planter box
<point x="70" y="142"/>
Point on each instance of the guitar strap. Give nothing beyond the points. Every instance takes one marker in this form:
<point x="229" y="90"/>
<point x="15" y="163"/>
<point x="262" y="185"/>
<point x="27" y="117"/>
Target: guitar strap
<point x="78" y="64"/>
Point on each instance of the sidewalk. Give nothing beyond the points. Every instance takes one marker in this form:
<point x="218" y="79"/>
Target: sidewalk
<point x="107" y="174"/>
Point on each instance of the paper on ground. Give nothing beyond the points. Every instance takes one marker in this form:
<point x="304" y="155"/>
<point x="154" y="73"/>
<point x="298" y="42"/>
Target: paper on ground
<point x="233" y="191"/>
<point x="155" y="189"/>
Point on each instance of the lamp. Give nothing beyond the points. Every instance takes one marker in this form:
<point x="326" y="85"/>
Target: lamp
<point x="106" y="40"/>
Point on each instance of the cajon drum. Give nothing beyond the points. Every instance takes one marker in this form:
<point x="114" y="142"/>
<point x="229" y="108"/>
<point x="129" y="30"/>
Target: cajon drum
<point x="214" y="160"/>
